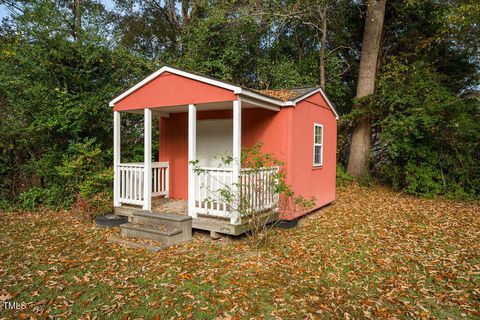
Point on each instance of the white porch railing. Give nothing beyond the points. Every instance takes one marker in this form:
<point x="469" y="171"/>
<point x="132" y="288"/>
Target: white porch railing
<point x="256" y="190"/>
<point x="208" y="183"/>
<point x="131" y="184"/>
<point x="160" y="179"/>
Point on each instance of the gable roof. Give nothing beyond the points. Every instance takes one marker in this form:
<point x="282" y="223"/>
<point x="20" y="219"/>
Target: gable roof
<point x="279" y="98"/>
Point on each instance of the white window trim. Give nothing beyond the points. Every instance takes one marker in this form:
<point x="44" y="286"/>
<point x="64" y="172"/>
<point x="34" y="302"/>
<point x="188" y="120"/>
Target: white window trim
<point x="315" y="125"/>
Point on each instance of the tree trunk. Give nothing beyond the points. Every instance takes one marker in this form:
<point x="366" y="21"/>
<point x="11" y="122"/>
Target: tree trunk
<point x="362" y="131"/>
<point x="78" y="19"/>
<point x="185" y="7"/>
<point x="172" y="12"/>
<point x="323" y="44"/>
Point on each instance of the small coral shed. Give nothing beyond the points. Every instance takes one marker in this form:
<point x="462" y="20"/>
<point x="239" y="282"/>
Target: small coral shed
<point x="201" y="118"/>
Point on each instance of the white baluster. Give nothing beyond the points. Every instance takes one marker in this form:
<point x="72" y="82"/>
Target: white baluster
<point x="123" y="182"/>
<point x="130" y="183"/>
<point x="167" y="179"/>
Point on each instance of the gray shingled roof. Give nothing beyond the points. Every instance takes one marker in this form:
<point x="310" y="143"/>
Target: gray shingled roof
<point x="287" y="94"/>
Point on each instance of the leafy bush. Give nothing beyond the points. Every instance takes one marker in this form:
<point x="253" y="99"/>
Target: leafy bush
<point x="52" y="197"/>
<point x="83" y="170"/>
<point x="82" y="179"/>
<point x="428" y="136"/>
<point x="5" y="205"/>
<point x="54" y="92"/>
<point x="343" y="177"/>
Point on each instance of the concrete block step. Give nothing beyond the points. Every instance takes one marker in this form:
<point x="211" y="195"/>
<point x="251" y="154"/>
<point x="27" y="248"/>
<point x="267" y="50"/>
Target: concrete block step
<point x="152" y="232"/>
<point x="169" y="220"/>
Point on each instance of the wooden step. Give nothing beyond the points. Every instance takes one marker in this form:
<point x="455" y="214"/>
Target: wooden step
<point x="143" y="231"/>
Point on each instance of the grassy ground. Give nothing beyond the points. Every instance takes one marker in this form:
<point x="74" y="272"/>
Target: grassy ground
<point x="374" y="254"/>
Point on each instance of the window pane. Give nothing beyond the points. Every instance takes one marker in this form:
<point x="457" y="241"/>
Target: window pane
<point x="318" y="155"/>
<point x="318" y="134"/>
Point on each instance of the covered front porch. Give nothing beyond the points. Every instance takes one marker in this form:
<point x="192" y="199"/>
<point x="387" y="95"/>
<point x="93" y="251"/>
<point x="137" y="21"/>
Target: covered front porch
<point x="199" y="119"/>
<point x="137" y="184"/>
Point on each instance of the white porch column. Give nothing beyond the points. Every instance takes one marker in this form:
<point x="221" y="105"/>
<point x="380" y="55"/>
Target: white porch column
<point x="116" y="158"/>
<point x="147" y="161"/>
<point x="192" y="155"/>
<point x="236" y="151"/>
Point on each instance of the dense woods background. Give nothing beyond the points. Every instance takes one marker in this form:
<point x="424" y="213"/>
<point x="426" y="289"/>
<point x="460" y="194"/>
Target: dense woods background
<point x="62" y="61"/>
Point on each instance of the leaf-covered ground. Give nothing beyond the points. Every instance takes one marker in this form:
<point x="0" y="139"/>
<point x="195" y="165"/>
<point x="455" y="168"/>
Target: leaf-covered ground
<point x="372" y="254"/>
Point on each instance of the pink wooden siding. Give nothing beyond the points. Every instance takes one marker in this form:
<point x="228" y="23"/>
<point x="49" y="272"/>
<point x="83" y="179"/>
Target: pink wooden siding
<point x="306" y="179"/>
<point x="170" y="90"/>
<point x="287" y="134"/>
<point x="257" y="125"/>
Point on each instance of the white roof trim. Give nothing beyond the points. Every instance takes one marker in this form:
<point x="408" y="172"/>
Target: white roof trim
<point x="177" y="72"/>
<point x="308" y="94"/>
<point x="236" y="89"/>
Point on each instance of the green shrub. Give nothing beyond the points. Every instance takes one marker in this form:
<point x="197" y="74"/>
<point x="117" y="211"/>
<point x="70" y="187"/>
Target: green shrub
<point x="52" y="197"/>
<point x="6" y="205"/>
<point x="57" y="128"/>
<point x="83" y="171"/>
<point x="428" y="135"/>
<point x="423" y="179"/>
<point x="343" y="177"/>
